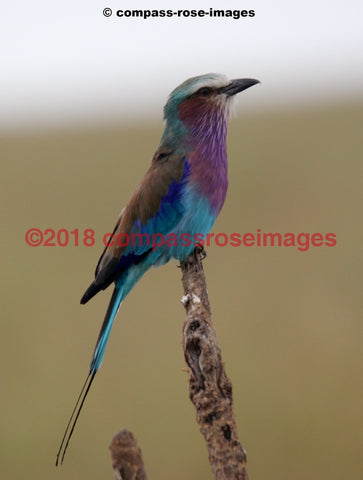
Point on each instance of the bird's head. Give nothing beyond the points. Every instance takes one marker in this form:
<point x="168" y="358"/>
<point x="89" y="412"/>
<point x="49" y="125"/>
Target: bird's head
<point x="201" y="103"/>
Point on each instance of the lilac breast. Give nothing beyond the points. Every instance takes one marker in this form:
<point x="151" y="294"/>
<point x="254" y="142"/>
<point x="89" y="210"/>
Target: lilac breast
<point x="207" y="127"/>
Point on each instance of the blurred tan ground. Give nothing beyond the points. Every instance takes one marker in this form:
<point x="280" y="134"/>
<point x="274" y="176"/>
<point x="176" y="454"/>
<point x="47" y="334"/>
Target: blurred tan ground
<point x="287" y="320"/>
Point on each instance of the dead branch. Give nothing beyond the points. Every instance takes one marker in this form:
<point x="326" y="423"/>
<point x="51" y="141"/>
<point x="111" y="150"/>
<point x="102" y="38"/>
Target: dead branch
<point x="126" y="457"/>
<point x="210" y="390"/>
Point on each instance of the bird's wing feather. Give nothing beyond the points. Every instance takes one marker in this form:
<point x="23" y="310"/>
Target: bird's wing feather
<point x="154" y="208"/>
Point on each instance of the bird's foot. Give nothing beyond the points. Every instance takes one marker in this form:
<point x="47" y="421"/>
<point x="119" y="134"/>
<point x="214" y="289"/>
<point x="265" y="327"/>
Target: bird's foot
<point x="199" y="250"/>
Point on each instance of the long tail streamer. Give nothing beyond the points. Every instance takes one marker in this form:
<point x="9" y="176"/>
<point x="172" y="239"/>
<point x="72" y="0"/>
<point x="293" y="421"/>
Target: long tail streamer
<point x="74" y="417"/>
<point x="97" y="358"/>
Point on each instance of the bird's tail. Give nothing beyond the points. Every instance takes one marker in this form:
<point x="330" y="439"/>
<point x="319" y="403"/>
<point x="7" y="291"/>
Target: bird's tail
<point x="113" y="307"/>
<point x="96" y="362"/>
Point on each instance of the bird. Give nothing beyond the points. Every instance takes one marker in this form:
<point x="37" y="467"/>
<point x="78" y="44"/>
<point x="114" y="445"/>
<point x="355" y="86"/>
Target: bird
<point x="180" y="196"/>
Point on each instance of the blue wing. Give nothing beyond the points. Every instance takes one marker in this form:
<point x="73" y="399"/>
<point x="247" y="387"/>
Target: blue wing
<point x="155" y="208"/>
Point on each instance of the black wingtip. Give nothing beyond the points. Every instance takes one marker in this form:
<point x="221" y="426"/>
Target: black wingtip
<point x="89" y="293"/>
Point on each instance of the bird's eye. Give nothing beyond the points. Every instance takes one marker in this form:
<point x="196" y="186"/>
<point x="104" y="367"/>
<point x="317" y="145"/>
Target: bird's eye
<point x="162" y="155"/>
<point x="204" y="91"/>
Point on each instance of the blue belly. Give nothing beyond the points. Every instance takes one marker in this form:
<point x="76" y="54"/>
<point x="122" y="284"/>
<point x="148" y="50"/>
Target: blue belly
<point x="196" y="223"/>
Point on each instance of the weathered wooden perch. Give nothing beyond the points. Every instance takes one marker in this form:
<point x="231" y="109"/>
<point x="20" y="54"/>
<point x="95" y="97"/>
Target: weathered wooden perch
<point x="126" y="457"/>
<point x="210" y="390"/>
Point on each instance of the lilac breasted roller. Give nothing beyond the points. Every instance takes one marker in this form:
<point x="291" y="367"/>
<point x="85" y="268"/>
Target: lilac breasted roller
<point x="179" y="198"/>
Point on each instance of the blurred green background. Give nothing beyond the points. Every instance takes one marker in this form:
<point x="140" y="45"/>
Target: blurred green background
<point x="287" y="321"/>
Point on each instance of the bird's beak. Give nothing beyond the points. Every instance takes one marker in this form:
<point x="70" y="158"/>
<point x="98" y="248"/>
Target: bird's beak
<point x="238" y="85"/>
